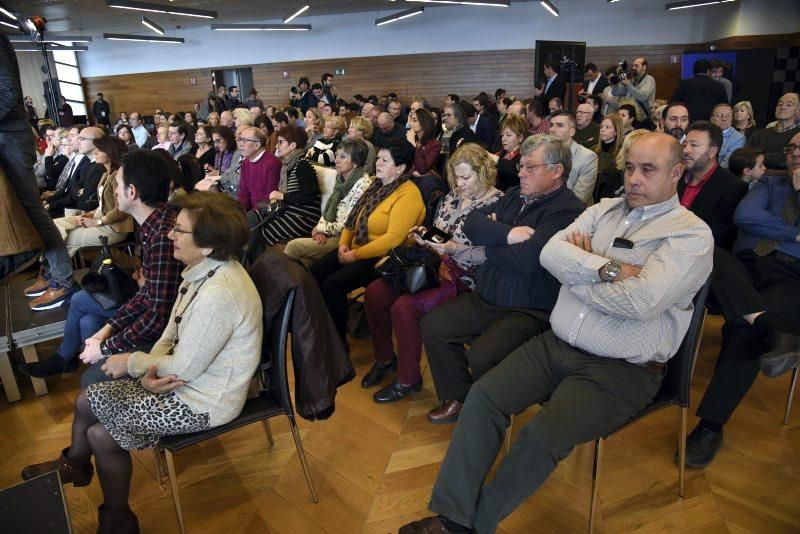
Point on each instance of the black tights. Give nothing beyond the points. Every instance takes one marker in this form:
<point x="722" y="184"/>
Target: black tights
<point x="113" y="463"/>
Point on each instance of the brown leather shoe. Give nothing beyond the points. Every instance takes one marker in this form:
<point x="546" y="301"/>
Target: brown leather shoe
<point x="38" y="287"/>
<point x="71" y="473"/>
<point x="429" y="525"/>
<point x="122" y="521"/>
<point x="446" y="413"/>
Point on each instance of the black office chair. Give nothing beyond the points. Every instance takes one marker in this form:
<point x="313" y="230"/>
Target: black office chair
<point x="675" y="391"/>
<point x="273" y="401"/>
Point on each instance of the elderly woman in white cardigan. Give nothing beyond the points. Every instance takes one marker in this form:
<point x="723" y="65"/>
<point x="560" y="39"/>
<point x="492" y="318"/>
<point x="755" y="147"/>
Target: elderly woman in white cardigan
<point x="351" y="182"/>
<point x="195" y="377"/>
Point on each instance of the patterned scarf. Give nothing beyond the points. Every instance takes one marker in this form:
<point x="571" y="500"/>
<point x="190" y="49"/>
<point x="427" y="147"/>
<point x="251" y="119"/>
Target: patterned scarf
<point x="340" y="190"/>
<point x="289" y="163"/>
<point x="374" y="195"/>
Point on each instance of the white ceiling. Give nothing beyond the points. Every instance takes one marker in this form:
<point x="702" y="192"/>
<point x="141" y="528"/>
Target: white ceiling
<point x="93" y="17"/>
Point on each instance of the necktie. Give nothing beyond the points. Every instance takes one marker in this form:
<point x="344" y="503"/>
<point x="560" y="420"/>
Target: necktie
<point x="63" y="178"/>
<point x="790" y="213"/>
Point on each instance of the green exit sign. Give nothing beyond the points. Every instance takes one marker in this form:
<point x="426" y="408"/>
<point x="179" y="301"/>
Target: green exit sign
<point x="339" y="72"/>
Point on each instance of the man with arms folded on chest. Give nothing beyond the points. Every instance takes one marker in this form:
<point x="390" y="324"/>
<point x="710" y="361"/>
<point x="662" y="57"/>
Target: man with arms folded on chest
<point x="629" y="269"/>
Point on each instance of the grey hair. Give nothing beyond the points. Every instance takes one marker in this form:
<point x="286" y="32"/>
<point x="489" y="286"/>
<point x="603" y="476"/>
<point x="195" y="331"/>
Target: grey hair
<point x="555" y="151"/>
<point x="458" y="113"/>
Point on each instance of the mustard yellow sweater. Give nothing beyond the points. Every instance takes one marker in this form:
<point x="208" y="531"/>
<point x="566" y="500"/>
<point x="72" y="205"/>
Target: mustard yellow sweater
<point x="389" y="223"/>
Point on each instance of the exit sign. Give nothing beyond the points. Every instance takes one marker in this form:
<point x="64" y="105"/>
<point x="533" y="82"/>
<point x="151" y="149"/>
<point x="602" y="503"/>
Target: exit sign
<point x="339" y="72"/>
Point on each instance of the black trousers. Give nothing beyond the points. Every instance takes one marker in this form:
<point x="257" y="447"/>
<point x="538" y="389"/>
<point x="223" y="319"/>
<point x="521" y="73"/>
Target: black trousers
<point x="336" y="281"/>
<point x="584" y="397"/>
<point x="776" y="283"/>
<point x="492" y="332"/>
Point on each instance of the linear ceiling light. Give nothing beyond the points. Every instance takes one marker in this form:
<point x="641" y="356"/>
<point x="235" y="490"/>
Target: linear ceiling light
<point x="261" y="27"/>
<point x="50" y="48"/>
<point x="52" y="38"/>
<point x="146" y="38"/>
<point x="7" y="13"/>
<point x="161" y="8"/>
<point x="297" y="13"/>
<point x="400" y="15"/>
<point x="488" y="3"/>
<point x="152" y="25"/>
<point x="4" y="23"/>
<point x="694" y="3"/>
<point x="548" y="5"/>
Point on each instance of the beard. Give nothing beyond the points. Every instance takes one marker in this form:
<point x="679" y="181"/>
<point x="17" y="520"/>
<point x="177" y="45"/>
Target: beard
<point x="699" y="164"/>
<point x="677" y="133"/>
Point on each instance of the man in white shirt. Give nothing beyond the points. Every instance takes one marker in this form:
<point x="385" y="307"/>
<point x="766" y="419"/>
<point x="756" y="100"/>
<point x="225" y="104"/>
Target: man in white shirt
<point x="140" y="134"/>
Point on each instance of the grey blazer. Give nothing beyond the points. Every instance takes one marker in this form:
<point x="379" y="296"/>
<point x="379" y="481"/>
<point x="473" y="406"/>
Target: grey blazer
<point x="584" y="173"/>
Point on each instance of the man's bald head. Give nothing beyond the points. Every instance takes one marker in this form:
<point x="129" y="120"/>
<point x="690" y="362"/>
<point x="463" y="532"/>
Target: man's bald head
<point x="385" y="122"/>
<point x="517" y="108"/>
<point x="653" y="166"/>
<point x="86" y="137"/>
<point x="583" y="115"/>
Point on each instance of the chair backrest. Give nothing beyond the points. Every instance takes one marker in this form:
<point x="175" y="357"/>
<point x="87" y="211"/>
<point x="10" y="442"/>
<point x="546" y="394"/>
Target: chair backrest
<point x="677" y="381"/>
<point x="326" y="177"/>
<point x="274" y="354"/>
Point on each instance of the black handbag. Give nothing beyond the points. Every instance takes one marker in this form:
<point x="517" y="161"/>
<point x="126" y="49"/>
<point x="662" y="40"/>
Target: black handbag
<point x="410" y="269"/>
<point x="107" y="283"/>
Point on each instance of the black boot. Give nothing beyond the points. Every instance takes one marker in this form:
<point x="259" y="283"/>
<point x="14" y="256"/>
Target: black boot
<point x="378" y="371"/>
<point x="121" y="521"/>
<point x="54" y="365"/>
<point x="71" y="472"/>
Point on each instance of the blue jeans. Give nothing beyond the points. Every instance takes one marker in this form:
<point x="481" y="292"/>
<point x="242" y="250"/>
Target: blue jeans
<point x="85" y="317"/>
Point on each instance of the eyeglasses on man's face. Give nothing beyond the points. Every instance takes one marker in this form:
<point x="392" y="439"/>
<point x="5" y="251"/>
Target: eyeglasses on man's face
<point x="530" y="167"/>
<point x="788" y="149"/>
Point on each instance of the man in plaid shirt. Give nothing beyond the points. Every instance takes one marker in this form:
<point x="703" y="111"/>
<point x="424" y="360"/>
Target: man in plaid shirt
<point x="142" y="187"/>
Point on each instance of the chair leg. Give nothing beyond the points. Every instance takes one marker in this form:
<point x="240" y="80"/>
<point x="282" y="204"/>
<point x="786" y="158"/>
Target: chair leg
<point x="302" y="454"/>
<point x="173" y="482"/>
<point x="598" y="455"/>
<point x="159" y="466"/>
<point x="508" y="434"/>
<point x="682" y="451"/>
<point x="268" y="430"/>
<point x="790" y="397"/>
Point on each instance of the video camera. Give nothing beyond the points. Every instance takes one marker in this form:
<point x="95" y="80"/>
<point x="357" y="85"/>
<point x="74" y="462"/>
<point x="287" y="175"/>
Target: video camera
<point x="622" y="72"/>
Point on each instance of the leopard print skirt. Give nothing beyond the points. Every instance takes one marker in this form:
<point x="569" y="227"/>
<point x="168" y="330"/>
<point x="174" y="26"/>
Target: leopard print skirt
<point x="136" y="418"/>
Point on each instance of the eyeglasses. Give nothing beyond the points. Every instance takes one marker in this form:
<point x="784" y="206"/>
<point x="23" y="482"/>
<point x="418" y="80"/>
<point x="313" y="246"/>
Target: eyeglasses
<point x="788" y="149"/>
<point x="178" y="230"/>
<point x="723" y="115"/>
<point x="243" y="139"/>
<point x="217" y="141"/>
<point x="85" y="138"/>
<point x="584" y="113"/>
<point x="529" y="167"/>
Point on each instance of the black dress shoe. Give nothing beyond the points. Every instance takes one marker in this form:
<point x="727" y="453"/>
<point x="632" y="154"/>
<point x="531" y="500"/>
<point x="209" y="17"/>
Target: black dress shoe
<point x="702" y="445"/>
<point x="783" y="354"/>
<point x="378" y="371"/>
<point x="396" y="391"/>
<point x="54" y="365"/>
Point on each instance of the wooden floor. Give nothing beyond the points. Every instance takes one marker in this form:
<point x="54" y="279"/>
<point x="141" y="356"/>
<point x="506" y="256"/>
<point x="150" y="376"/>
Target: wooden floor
<point x="374" y="466"/>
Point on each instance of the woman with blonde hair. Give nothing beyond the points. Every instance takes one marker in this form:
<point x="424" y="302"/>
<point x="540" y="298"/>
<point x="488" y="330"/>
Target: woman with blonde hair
<point x="323" y="151"/>
<point x="242" y="117"/>
<point x="471" y="174"/>
<point x="361" y="128"/>
<point x="213" y="119"/>
<point x="743" y="119"/>
<point x="315" y="122"/>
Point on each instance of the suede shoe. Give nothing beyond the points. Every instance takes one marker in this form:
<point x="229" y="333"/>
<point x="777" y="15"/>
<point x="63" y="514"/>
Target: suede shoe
<point x="53" y="297"/>
<point x="122" y="521"/>
<point x="378" y="371"/>
<point x="38" y="287"/>
<point x="429" y="525"/>
<point x="784" y="354"/>
<point x="702" y="445"/>
<point x="396" y="391"/>
<point x="53" y="365"/>
<point x="70" y="472"/>
<point x="446" y="413"/>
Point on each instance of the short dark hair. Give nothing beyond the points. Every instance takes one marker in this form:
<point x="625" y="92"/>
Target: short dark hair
<point x="482" y="100"/>
<point x="714" y="132"/>
<point x="715" y="64"/>
<point x="535" y="106"/>
<point x="499" y="92"/>
<point x="553" y="65"/>
<point x="325" y="76"/>
<point x="507" y="101"/>
<point x="263" y="120"/>
<point x="280" y="116"/>
<point x="589" y="66"/>
<point x="391" y="95"/>
<point x="218" y="223"/>
<point x="226" y="134"/>
<point x="295" y="135"/>
<point x="293" y="113"/>
<point x="114" y="147"/>
<point x="358" y="150"/>
<point x="401" y="151"/>
<point x="454" y="98"/>
<point x="358" y="96"/>
<point x="316" y="86"/>
<point x="190" y="174"/>
<point x="568" y="114"/>
<point x="743" y="158"/>
<point x="304" y="80"/>
<point x="469" y="109"/>
<point x="328" y="105"/>
<point x="672" y="105"/>
<point x="182" y="128"/>
<point x="558" y="101"/>
<point x="148" y="173"/>
<point x="231" y="88"/>
<point x="630" y="109"/>
<point x="99" y="94"/>
<point x="700" y="66"/>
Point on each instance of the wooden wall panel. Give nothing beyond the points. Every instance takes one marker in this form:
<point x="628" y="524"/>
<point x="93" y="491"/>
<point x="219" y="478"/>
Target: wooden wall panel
<point x="432" y="75"/>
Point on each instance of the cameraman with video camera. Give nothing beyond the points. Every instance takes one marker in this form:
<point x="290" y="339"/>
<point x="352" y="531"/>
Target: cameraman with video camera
<point x="636" y="85"/>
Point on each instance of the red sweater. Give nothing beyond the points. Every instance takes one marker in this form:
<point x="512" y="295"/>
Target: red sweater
<point x="257" y="180"/>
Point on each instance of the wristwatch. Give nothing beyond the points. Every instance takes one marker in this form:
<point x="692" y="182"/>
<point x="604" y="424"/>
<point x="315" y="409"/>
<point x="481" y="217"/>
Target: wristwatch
<point x="104" y="350"/>
<point x="99" y="222"/>
<point x="610" y="270"/>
